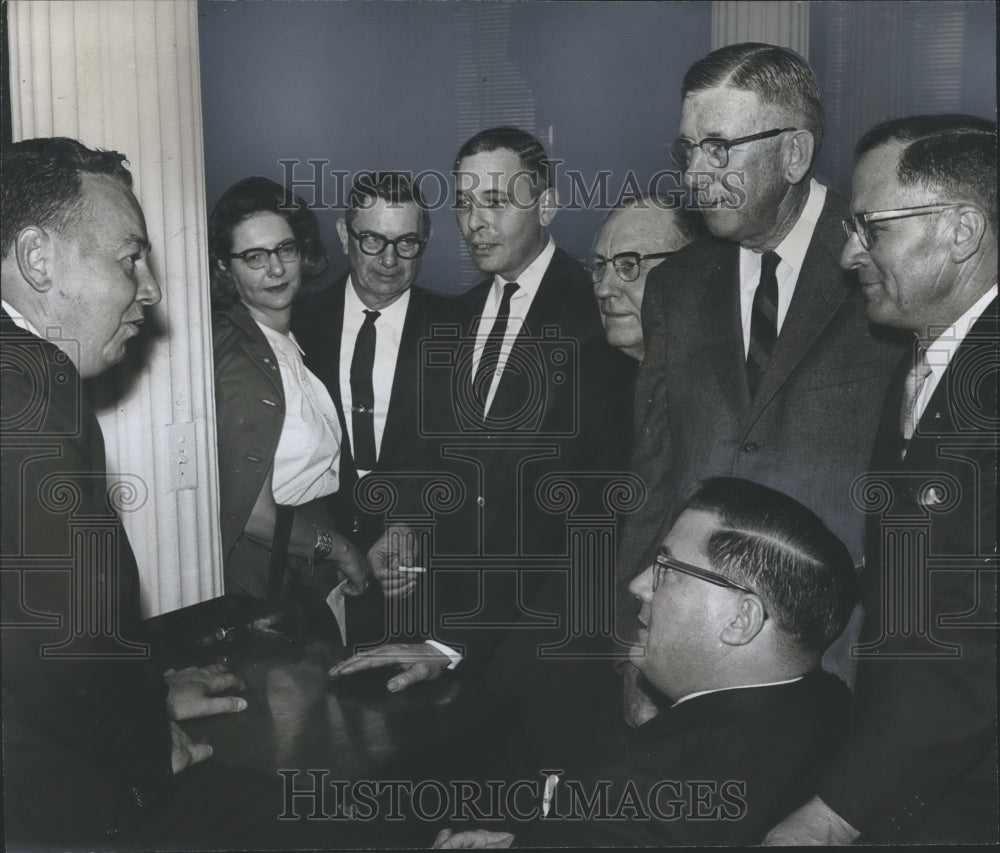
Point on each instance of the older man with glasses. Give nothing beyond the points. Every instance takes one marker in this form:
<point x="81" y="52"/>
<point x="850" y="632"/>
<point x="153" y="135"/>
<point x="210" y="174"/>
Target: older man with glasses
<point x="746" y="590"/>
<point x="759" y="361"/>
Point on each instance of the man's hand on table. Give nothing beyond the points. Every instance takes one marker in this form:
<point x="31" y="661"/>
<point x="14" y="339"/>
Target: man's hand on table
<point x="472" y="839"/>
<point x="396" y="562"/>
<point x="814" y="824"/>
<point x="420" y="662"/>
<point x="193" y="692"/>
<point x="185" y="752"/>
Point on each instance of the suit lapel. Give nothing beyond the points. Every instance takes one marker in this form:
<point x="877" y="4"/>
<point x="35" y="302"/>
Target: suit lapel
<point x="819" y="293"/>
<point x="722" y="326"/>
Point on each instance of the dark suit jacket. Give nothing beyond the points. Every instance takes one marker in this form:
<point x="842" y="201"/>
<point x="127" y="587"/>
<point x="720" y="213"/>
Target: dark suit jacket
<point x="922" y="759"/>
<point x="318" y="324"/>
<point x="809" y="430"/>
<point x="85" y="736"/>
<point x="728" y="765"/>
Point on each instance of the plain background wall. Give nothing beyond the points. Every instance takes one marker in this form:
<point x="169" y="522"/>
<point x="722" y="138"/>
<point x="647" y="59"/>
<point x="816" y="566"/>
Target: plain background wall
<point x="372" y="84"/>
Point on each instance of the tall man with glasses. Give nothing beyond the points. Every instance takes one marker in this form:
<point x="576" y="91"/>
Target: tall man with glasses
<point x="921" y="762"/>
<point x="759" y="359"/>
<point x="529" y="384"/>
<point x="743" y="594"/>
<point x="361" y="337"/>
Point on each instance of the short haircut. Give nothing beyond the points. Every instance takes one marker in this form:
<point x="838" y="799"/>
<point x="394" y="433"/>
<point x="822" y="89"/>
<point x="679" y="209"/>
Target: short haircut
<point x="776" y="75"/>
<point x="394" y="188"/>
<point x="530" y="152"/>
<point x="247" y="198"/>
<point x="688" y="222"/>
<point x="42" y="186"/>
<point x="954" y="153"/>
<point x="776" y="546"/>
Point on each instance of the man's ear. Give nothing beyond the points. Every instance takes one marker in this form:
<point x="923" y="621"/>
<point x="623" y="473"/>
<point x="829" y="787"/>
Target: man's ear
<point x="548" y="204"/>
<point x="342" y="233"/>
<point x="746" y="622"/>
<point x="968" y="229"/>
<point x="35" y="250"/>
<point x="797" y="155"/>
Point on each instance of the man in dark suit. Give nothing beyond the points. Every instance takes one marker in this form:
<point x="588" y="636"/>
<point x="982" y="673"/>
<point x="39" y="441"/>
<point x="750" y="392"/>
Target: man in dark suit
<point x="759" y="358"/>
<point x="744" y="593"/>
<point x="921" y="763"/>
<point x="529" y="379"/>
<point x="90" y="739"/>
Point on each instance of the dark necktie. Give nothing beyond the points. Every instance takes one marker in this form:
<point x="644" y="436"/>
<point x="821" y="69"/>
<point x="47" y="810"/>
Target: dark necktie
<point x="491" y="351"/>
<point x="763" y="321"/>
<point x="363" y="394"/>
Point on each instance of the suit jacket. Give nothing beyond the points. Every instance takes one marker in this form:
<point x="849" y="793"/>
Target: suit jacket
<point x="921" y="763"/>
<point x="550" y="417"/>
<point x="809" y="429"/>
<point x="85" y="732"/>
<point x="720" y="768"/>
<point x="318" y="324"/>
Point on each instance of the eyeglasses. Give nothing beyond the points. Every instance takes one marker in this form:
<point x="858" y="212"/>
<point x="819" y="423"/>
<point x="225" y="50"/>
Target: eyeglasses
<point x="860" y="223"/>
<point x="715" y="148"/>
<point x="408" y="246"/>
<point x="665" y="563"/>
<point x="626" y="264"/>
<point x="288" y="252"/>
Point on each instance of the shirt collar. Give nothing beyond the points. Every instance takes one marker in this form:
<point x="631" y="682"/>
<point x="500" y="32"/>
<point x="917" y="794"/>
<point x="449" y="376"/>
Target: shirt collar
<point x="737" y="687"/>
<point x="393" y="315"/>
<point x="945" y="345"/>
<point x="792" y="250"/>
<point x="19" y="319"/>
<point x="531" y="279"/>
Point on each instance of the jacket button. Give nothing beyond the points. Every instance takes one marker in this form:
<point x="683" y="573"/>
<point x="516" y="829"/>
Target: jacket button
<point x="750" y="447"/>
<point x="481" y="501"/>
<point x="111" y="831"/>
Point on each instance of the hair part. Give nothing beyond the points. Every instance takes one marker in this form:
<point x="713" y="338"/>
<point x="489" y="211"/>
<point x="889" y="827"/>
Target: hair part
<point x="42" y="185"/>
<point x="394" y="188"/>
<point x="686" y="220"/>
<point x="247" y="198"/>
<point x="780" y="548"/>
<point x="954" y="154"/>
<point x="529" y="151"/>
<point x="778" y="76"/>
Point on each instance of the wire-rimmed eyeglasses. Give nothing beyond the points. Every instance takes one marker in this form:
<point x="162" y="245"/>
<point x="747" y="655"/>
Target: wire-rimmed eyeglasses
<point x="288" y="253"/>
<point x="408" y="246"/>
<point x="626" y="264"/>
<point x="715" y="148"/>
<point x="860" y="223"/>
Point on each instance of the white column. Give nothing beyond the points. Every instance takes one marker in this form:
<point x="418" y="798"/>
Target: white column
<point x="124" y="75"/>
<point x="772" y="21"/>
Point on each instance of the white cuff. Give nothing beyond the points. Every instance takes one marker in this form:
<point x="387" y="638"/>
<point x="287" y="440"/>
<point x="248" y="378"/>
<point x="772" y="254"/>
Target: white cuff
<point x="453" y="656"/>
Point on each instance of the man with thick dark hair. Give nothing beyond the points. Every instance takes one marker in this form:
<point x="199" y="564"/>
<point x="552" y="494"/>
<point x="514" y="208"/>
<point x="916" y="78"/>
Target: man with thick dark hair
<point x="920" y="765"/>
<point x="744" y="594"/>
<point x="759" y="359"/>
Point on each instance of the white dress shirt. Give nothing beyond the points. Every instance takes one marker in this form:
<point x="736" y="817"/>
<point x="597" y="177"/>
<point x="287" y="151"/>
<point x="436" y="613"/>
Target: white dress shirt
<point x="520" y="303"/>
<point x="943" y="348"/>
<point x="388" y="334"/>
<point x="306" y="461"/>
<point x="19" y="319"/>
<point x="792" y="251"/>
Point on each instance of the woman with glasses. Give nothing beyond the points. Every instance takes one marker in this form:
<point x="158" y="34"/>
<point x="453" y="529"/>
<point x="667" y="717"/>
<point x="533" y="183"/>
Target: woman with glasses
<point x="278" y="431"/>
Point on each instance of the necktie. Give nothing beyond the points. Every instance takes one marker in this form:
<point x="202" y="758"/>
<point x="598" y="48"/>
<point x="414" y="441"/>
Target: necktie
<point x="363" y="394"/>
<point x="911" y="391"/>
<point x="491" y="351"/>
<point x="763" y="321"/>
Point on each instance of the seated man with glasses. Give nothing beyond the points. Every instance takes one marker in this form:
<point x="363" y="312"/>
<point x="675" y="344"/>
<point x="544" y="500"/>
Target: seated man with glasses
<point x="361" y="337"/>
<point x="745" y="592"/>
<point x="635" y="237"/>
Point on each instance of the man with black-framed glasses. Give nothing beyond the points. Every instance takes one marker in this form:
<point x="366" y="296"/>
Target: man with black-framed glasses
<point x="746" y="591"/>
<point x="759" y="360"/>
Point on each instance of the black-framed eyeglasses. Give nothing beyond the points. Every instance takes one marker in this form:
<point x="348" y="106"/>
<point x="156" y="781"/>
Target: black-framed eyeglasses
<point x="288" y="253"/>
<point x="715" y="148"/>
<point x="408" y="246"/>
<point x="665" y="563"/>
<point x="626" y="264"/>
<point x="860" y="223"/>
